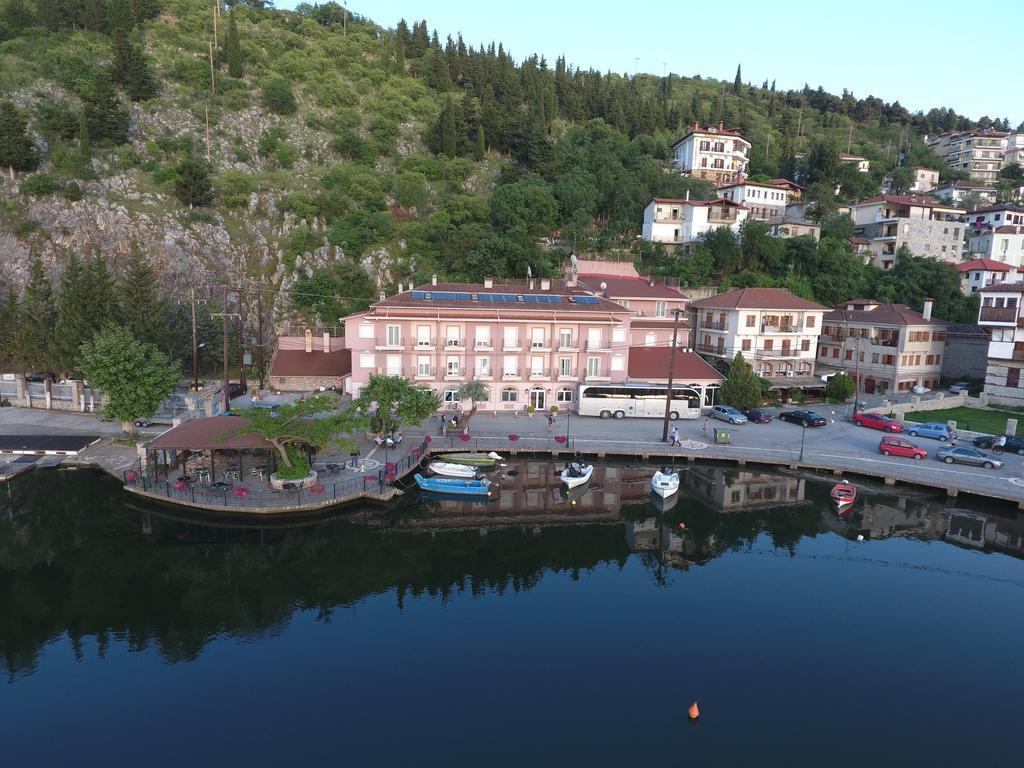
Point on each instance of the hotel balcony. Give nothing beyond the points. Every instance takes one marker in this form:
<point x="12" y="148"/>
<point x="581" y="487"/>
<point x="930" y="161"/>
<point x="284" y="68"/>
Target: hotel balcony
<point x="711" y="349"/>
<point x="385" y="347"/>
<point x="455" y="345"/>
<point x="541" y="373"/>
<point x="453" y="375"/>
<point x="781" y="328"/>
<point x="596" y="377"/>
<point x="424" y="375"/>
<point x="482" y="345"/>
<point x="424" y="345"/>
<point x="1004" y="315"/>
<point x="511" y="376"/>
<point x="483" y="376"/>
<point x="512" y="346"/>
<point x="567" y="376"/>
<point x="572" y="347"/>
<point x="539" y="346"/>
<point x="784" y="352"/>
<point x="599" y="346"/>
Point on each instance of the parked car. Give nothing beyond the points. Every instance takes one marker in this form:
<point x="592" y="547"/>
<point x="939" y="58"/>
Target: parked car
<point x="40" y="377"/>
<point x="758" y="415"/>
<point x="143" y="423"/>
<point x="959" y="387"/>
<point x="964" y="454"/>
<point x="804" y="418"/>
<point x="877" y="421"/>
<point x="900" y="446"/>
<point x="728" y="413"/>
<point x="1014" y="443"/>
<point x="933" y="429"/>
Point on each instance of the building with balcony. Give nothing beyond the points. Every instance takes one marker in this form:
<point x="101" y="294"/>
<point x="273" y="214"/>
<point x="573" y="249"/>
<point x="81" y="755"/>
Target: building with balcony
<point x="961" y="192"/>
<point x="925" y="179"/>
<point x="983" y="272"/>
<point x="923" y="224"/>
<point x="715" y="153"/>
<point x="531" y="343"/>
<point x="888" y="346"/>
<point x="682" y="222"/>
<point x="980" y="151"/>
<point x="1003" y="244"/>
<point x="791" y="226"/>
<point x="794" y="189"/>
<point x="776" y="331"/>
<point x="862" y="163"/>
<point x="1000" y="215"/>
<point x="765" y="202"/>
<point x="1000" y="316"/>
<point x="651" y="303"/>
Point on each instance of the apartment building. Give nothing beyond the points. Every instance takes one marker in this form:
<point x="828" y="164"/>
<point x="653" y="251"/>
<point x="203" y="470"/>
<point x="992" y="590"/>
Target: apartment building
<point x="862" y="163"/>
<point x="1000" y="315"/>
<point x="1004" y="244"/>
<point x="652" y="306"/>
<point x="983" y="272"/>
<point x="993" y="216"/>
<point x="980" y="151"/>
<point x="923" y="224"/>
<point x="682" y="222"/>
<point x="959" y="192"/>
<point x="925" y="179"/>
<point x="776" y="331"/>
<point x="764" y="202"/>
<point x="532" y="343"/>
<point x="888" y="346"/>
<point x="791" y="226"/>
<point x="715" y="153"/>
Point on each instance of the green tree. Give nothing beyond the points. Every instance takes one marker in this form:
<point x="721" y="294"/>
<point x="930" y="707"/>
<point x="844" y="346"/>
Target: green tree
<point x="8" y="325"/>
<point x="17" y="152"/>
<point x="401" y="401"/>
<point x="105" y="117"/>
<point x="476" y="392"/>
<point x="741" y="388"/>
<point x="305" y="423"/>
<point x="480" y="148"/>
<point x="277" y="96"/>
<point x="34" y="333"/>
<point x="193" y="186"/>
<point x="135" y="376"/>
<point x="74" y="326"/>
<point x="840" y="387"/>
<point x="131" y="68"/>
<point x="234" y="47"/>
<point x="120" y="16"/>
<point x="526" y="206"/>
<point x="737" y="83"/>
<point x="141" y="310"/>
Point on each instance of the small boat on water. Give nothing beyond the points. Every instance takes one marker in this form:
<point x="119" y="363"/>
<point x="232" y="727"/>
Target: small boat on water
<point x="663" y="504"/>
<point x="471" y="459"/>
<point x="453" y="485"/>
<point x="665" y="483"/>
<point x="576" y="474"/>
<point x="448" y="469"/>
<point x="843" y="495"/>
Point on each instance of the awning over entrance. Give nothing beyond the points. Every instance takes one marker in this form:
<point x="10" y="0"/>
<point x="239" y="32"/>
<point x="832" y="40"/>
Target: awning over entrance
<point x="798" y="382"/>
<point x="216" y="433"/>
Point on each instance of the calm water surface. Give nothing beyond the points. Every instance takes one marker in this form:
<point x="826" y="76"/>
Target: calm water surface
<point x="532" y="630"/>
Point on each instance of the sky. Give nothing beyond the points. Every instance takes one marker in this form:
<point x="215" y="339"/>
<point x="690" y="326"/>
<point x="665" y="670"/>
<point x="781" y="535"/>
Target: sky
<point x="924" y="54"/>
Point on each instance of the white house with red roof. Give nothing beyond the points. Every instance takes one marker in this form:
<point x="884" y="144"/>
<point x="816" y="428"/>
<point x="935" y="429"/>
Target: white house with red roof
<point x="776" y="331"/>
<point x="682" y="222"/>
<point x="862" y="163"/>
<point x="764" y="201"/>
<point x="983" y="272"/>
<point x="712" y="152"/>
<point x="958" y="191"/>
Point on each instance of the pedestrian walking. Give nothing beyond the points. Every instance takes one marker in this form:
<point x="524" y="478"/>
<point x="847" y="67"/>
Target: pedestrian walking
<point x="551" y="423"/>
<point x="673" y="437"/>
<point x="706" y="423"/>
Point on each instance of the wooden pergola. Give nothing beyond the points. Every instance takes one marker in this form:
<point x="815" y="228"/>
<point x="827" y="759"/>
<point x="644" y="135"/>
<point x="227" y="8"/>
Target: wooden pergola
<point x="207" y="437"/>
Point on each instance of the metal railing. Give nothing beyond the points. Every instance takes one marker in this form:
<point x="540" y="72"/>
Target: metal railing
<point x="711" y="349"/>
<point x="711" y="325"/>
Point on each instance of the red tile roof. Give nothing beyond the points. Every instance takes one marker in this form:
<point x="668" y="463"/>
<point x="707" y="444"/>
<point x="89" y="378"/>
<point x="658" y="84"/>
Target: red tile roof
<point x="711" y="130"/>
<point x="629" y="287"/>
<point x="989" y="265"/>
<point x="299" y="362"/>
<point x="405" y="300"/>
<point x="756" y="298"/>
<point x="918" y="200"/>
<point x="698" y="203"/>
<point x="651" y="364"/>
<point x="858" y="240"/>
<point x="786" y="183"/>
<point x="1003" y="288"/>
<point x="882" y="314"/>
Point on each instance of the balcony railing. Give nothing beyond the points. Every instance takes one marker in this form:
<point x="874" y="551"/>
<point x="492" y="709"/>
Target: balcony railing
<point x="784" y="352"/>
<point x="998" y="315"/>
<point x="512" y="346"/>
<point x="565" y="375"/>
<point x="424" y="343"/>
<point x="539" y="345"/>
<point x="781" y="328"/>
<point x="883" y="341"/>
<point x="510" y="375"/>
<point x="711" y="349"/>
<point x="483" y="344"/>
<point x="540" y="373"/>
<point x="454" y="344"/>
<point x="711" y="325"/>
<point x="598" y="346"/>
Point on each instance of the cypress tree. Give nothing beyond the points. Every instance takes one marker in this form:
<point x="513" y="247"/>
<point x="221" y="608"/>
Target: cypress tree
<point x="49" y="14"/>
<point x="8" y="322"/>
<point x="34" y="335"/>
<point x="141" y="310"/>
<point x="17" y="152"/>
<point x="121" y="48"/>
<point x="100" y="300"/>
<point x="234" y="48"/>
<point x="119" y="16"/>
<point x="449" y="138"/>
<point x="737" y="84"/>
<point x="193" y="187"/>
<point x="140" y="82"/>
<point x="481" y="147"/>
<point x="399" y="55"/>
<point x="74" y="326"/>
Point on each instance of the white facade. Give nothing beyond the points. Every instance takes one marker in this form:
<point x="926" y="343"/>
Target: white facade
<point x="862" y="163"/>
<point x="982" y="272"/>
<point x="922" y="224"/>
<point x="958" y="191"/>
<point x="681" y="222"/>
<point x="715" y="153"/>
<point x="765" y="202"/>
<point x="925" y="179"/>
<point x="1000" y="316"/>
<point x="1005" y="244"/>
<point x="981" y="151"/>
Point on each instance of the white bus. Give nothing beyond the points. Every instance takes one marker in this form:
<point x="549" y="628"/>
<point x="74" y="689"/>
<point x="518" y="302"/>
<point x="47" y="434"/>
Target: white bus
<point x="621" y="400"/>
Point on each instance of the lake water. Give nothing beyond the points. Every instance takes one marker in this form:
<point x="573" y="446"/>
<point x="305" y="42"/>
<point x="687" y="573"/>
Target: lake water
<point x="534" y="630"/>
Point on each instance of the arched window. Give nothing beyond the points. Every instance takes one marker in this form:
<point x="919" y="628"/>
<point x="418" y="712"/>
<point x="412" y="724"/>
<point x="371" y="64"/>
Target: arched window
<point x="451" y="394"/>
<point x="564" y="395"/>
<point x="509" y="394"/>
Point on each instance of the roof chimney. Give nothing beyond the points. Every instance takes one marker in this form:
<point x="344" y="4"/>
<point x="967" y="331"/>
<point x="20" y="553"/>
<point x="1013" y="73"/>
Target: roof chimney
<point x="327" y="341"/>
<point x="488" y="282"/>
<point x="696" y="125"/>
<point x="927" y="311"/>
<point x="433" y="279"/>
<point x="721" y="125"/>
<point x="399" y="287"/>
<point x="545" y="284"/>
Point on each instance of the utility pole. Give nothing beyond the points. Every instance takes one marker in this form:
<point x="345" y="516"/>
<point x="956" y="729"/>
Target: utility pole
<point x="195" y="347"/>
<point x="241" y="339"/>
<point x="671" y="370"/>
<point x="259" y="322"/>
<point x="225" y="315"/>
<point x="849" y="141"/>
<point x="213" y="80"/>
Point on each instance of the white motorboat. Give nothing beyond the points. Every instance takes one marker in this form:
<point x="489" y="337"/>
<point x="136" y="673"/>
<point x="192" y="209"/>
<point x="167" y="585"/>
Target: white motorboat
<point x="665" y="483"/>
<point x="450" y="469"/>
<point x="577" y="474"/>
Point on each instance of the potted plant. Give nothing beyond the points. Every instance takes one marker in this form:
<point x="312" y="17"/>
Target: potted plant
<point x="554" y="410"/>
<point x="530" y="410"/>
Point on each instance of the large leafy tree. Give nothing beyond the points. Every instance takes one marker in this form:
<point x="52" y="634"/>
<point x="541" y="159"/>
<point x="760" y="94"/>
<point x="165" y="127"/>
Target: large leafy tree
<point x="136" y="377"/>
<point x="393" y="398"/>
<point x="474" y="391"/>
<point x="311" y="422"/>
<point x="741" y="388"/>
<point x="17" y="153"/>
<point x="526" y="206"/>
<point x="840" y="387"/>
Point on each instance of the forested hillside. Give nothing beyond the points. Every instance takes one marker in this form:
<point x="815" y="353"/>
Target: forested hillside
<point x="322" y="156"/>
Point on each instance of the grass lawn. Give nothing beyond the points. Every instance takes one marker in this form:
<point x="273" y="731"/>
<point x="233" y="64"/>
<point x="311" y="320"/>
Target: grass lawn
<point x="976" y="419"/>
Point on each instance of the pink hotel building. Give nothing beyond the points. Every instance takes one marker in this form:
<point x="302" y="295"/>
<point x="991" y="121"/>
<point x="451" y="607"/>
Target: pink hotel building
<point x="532" y="344"/>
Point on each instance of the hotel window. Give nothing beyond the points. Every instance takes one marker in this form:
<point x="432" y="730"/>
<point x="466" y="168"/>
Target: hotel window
<point x="483" y="366"/>
<point x="422" y="335"/>
<point x="751" y="321"/>
<point x="509" y="395"/>
<point x="745" y="345"/>
<point x="423" y="366"/>
<point x="593" y="366"/>
<point x="453" y="366"/>
<point x="511" y="337"/>
<point x="453" y="337"/>
<point x="536" y="337"/>
<point x="659" y="308"/>
<point x="394" y="335"/>
<point x="565" y="366"/>
<point x="366" y="360"/>
<point x="537" y="365"/>
<point x="618" y="334"/>
<point x="565" y="338"/>
<point x="564" y="395"/>
<point x="618" y="363"/>
<point x="483" y="336"/>
<point x="366" y="330"/>
<point x="451" y="394"/>
<point x="394" y="365"/>
<point x="510" y="365"/>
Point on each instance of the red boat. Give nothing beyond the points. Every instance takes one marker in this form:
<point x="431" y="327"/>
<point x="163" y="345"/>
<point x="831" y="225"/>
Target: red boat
<point x="843" y="495"/>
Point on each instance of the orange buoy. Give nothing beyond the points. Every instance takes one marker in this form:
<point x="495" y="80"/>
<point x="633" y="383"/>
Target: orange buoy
<point x="682" y="526"/>
<point x="694" y="711"/>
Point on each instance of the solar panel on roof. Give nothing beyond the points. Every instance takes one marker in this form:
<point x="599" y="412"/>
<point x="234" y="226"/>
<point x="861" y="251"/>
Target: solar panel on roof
<point x="533" y="299"/>
<point x="419" y="294"/>
<point x="587" y="300"/>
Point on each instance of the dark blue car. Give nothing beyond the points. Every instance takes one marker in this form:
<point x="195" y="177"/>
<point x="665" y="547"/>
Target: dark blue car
<point x="804" y="418"/>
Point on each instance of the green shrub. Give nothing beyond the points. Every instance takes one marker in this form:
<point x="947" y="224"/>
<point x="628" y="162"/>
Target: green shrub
<point x="300" y="204"/>
<point x="164" y="173"/>
<point x="40" y="184"/>
<point x="277" y="96"/>
<point x="234" y="189"/>
<point x="70" y="162"/>
<point x="236" y="101"/>
<point x="352" y="146"/>
<point x="56" y="119"/>
<point x="286" y="155"/>
<point x="72" y="191"/>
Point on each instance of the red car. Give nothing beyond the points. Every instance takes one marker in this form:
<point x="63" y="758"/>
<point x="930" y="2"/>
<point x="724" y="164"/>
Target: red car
<point x="877" y="421"/>
<point x="900" y="446"/>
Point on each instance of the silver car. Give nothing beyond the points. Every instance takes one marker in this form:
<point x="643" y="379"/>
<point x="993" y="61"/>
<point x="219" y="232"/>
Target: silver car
<point x="966" y="455"/>
<point x="728" y="413"/>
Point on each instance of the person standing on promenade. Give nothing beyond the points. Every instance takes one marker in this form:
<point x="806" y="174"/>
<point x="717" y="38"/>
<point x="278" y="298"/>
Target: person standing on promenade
<point x="706" y="423"/>
<point x="673" y="437"/>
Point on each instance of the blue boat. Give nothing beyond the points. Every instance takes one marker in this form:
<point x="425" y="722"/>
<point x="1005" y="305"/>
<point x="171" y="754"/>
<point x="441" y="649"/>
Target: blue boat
<point x="453" y="485"/>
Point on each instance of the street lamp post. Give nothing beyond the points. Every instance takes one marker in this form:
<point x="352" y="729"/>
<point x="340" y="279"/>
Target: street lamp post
<point x="195" y="366"/>
<point x="671" y="371"/>
<point x="803" y="434"/>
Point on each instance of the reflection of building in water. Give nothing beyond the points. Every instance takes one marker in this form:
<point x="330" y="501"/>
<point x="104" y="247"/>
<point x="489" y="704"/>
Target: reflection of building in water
<point x="680" y="550"/>
<point x="642" y="535"/>
<point x="899" y="517"/>
<point x="966" y="529"/>
<point x="978" y="531"/>
<point x="733" y="489"/>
